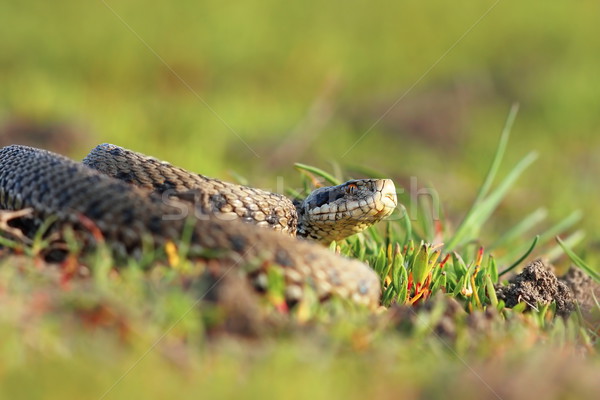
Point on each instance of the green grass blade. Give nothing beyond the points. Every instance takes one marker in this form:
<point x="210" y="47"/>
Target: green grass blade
<point x="491" y="291"/>
<point x="527" y="253"/>
<point x="366" y="171"/>
<point x="561" y="226"/>
<point x="571" y="241"/>
<point x="294" y="194"/>
<point x="426" y="218"/>
<point x="525" y="225"/>
<point x="487" y="206"/>
<point x="318" y="172"/>
<point x="501" y="149"/>
<point x="546" y="236"/>
<point x="489" y="178"/>
<point x="11" y="244"/>
<point x="480" y="213"/>
<point x="492" y="268"/>
<point x="578" y="261"/>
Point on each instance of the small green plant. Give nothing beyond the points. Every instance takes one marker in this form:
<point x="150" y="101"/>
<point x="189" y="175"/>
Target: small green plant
<point x="163" y="313"/>
<point x="412" y="270"/>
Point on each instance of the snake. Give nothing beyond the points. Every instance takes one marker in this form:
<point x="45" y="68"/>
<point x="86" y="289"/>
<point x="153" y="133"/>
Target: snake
<point x="130" y="198"/>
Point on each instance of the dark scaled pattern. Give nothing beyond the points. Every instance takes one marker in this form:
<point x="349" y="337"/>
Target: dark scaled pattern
<point x="53" y="185"/>
<point x="210" y="196"/>
<point x="327" y="214"/>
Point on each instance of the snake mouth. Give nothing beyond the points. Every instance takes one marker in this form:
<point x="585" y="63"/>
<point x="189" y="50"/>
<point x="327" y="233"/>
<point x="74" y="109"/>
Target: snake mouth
<point x="336" y="212"/>
<point x="388" y="195"/>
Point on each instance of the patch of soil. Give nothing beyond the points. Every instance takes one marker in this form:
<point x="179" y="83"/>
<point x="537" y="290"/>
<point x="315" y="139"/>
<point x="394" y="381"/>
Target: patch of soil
<point x="406" y="317"/>
<point x="445" y="317"/>
<point x="537" y="284"/>
<point x="584" y="289"/>
<point x="60" y="137"/>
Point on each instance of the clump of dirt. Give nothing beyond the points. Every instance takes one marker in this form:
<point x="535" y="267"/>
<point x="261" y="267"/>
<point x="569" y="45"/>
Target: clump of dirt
<point x="537" y="284"/>
<point x="584" y="289"/>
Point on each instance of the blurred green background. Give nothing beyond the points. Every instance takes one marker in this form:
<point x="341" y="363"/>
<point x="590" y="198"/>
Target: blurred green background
<point x="406" y="88"/>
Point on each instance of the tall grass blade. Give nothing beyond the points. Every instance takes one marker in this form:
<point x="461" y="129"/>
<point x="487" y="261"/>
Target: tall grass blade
<point x="527" y="253"/>
<point x="570" y="241"/>
<point x="489" y="178"/>
<point x="561" y="226"/>
<point x="578" y="261"/>
<point x="318" y="172"/>
<point x="479" y="214"/>
<point x="520" y="228"/>
<point x="502" y="144"/>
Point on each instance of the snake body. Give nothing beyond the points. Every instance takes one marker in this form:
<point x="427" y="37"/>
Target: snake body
<point x="72" y="193"/>
<point x="327" y="214"/>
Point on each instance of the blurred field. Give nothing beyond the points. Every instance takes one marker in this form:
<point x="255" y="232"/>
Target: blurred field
<point x="404" y="88"/>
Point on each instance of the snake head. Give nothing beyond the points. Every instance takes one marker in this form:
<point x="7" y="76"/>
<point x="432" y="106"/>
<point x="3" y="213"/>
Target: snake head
<point x="336" y="212"/>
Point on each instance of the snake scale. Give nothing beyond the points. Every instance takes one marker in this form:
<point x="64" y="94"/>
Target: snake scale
<point x="130" y="197"/>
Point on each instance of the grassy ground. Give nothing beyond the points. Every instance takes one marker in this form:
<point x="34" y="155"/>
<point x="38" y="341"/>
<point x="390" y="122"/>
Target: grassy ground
<point x="83" y="329"/>
<point x="405" y="89"/>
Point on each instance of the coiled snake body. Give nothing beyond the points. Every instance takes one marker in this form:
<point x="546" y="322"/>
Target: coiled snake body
<point x="111" y="189"/>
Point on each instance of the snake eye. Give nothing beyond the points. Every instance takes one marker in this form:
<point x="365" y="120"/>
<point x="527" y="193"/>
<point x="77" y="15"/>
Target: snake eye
<point x="351" y="188"/>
